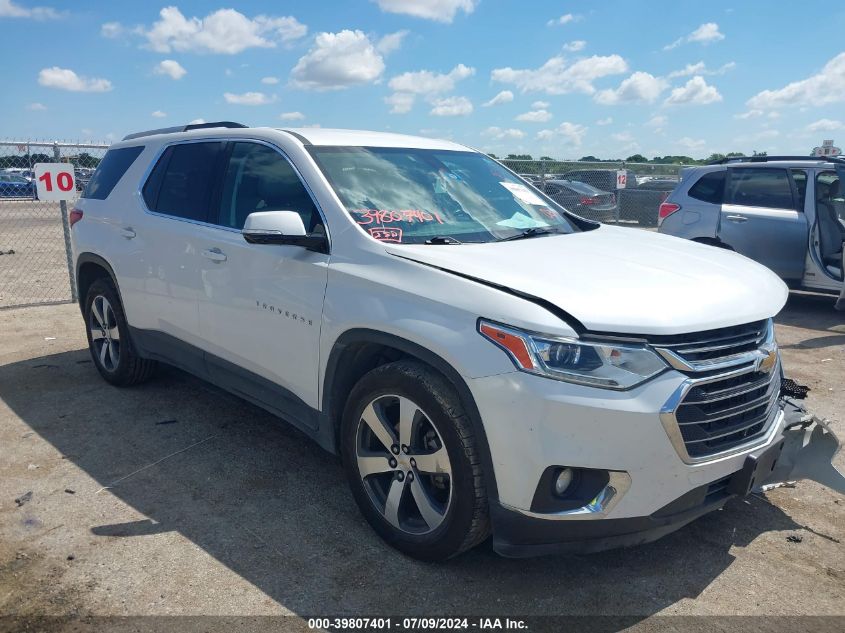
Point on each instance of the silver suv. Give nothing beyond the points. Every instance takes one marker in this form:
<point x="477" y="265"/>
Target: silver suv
<point x="785" y="212"/>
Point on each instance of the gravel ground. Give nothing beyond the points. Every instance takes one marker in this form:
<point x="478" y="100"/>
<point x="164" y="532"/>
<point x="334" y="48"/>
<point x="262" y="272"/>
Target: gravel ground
<point x="176" y="499"/>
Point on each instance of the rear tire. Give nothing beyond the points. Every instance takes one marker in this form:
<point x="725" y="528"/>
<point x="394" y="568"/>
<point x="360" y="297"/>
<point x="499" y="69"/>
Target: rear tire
<point x="413" y="462"/>
<point x="109" y="340"/>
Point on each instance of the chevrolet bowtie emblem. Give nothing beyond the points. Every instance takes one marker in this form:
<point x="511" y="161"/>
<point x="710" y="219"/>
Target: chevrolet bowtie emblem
<point x="767" y="363"/>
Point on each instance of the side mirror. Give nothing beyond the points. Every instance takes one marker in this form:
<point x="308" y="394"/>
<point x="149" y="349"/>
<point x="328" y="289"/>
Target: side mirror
<point x="281" y="227"/>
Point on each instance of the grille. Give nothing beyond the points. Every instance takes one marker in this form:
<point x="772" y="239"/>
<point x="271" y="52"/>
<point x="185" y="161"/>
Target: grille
<point x="729" y="400"/>
<point x="725" y="413"/>
<point x="716" y="346"/>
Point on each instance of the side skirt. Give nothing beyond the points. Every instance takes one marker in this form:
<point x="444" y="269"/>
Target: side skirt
<point x="230" y="377"/>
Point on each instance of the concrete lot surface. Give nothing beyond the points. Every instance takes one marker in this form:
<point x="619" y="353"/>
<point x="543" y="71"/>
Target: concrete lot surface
<point x="175" y="498"/>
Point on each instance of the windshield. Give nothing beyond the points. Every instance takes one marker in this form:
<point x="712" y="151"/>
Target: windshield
<point x="411" y="196"/>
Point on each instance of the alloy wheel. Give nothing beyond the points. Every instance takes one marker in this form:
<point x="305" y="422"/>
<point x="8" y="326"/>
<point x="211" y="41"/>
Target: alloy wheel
<point x="105" y="336"/>
<point x="403" y="464"/>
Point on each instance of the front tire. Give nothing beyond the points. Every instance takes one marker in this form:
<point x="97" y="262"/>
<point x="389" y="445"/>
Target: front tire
<point x="412" y="462"/>
<point x="109" y="341"/>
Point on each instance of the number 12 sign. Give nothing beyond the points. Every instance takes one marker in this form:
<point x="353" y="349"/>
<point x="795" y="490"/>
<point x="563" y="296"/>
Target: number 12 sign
<point x="54" y="181"/>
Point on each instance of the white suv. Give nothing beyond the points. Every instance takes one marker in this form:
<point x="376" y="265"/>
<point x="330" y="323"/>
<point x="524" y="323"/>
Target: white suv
<point x="482" y="360"/>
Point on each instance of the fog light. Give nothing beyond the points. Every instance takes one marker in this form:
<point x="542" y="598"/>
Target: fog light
<point x="563" y="481"/>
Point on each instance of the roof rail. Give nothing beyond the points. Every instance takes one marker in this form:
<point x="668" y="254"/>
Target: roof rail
<point x="184" y="128"/>
<point x="766" y="159"/>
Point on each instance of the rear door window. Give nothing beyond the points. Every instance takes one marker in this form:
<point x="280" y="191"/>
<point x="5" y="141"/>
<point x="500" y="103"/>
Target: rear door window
<point x="709" y="188"/>
<point x="183" y="180"/>
<point x="760" y="187"/>
<point x="110" y="170"/>
<point x="799" y="177"/>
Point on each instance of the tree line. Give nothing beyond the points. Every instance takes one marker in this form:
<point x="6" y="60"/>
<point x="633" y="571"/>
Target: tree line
<point x="638" y="158"/>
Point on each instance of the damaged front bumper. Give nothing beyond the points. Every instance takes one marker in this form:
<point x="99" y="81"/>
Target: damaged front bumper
<point x="804" y="451"/>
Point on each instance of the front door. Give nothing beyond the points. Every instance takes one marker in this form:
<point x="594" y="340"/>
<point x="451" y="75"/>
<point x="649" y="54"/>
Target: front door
<point x="763" y="218"/>
<point x="261" y="305"/>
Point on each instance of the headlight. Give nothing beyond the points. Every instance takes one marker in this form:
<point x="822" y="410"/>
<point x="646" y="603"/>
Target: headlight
<point x="600" y="364"/>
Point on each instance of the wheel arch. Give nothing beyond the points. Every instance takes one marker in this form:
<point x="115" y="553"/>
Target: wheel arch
<point x="89" y="268"/>
<point x="357" y="351"/>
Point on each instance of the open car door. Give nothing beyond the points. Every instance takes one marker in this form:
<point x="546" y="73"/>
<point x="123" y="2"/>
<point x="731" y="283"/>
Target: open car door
<point x="840" y="304"/>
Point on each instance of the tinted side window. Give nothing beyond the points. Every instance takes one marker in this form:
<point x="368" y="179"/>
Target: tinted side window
<point x="258" y="178"/>
<point x="760" y="188"/>
<point x="709" y="188"/>
<point x="110" y="171"/>
<point x="182" y="181"/>
<point x="799" y="177"/>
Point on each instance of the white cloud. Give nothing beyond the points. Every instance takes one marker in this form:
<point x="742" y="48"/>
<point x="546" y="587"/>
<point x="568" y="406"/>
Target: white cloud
<point x="426" y="82"/>
<point x="657" y="123"/>
<point x="751" y="114"/>
<point x="695" y="92"/>
<point x="338" y="60"/>
<point x="499" y="134"/>
<point x="223" y="31"/>
<point x="159" y="114"/>
<point x="400" y="102"/>
<point x="171" y="68"/>
<point x="9" y="9"/>
<point x="196" y="122"/>
<point x="558" y="76"/>
<point x="622" y="137"/>
<point x="566" y="18"/>
<point x="571" y="133"/>
<point x="248" y="98"/>
<point x="451" y="106"/>
<point x="691" y="144"/>
<point x="270" y="81"/>
<point x="638" y="88"/>
<point x="391" y="42"/>
<point x="606" y="121"/>
<point x="704" y="34"/>
<point x="575" y="46"/>
<point x="437" y="10"/>
<point x="66" y="79"/>
<point x="535" y="116"/>
<point x="700" y="68"/>
<point x="505" y="96"/>
<point x="291" y="116"/>
<point x="540" y="105"/>
<point x="112" y="30"/>
<point x="36" y="107"/>
<point x="825" y="125"/>
<point x="826" y="86"/>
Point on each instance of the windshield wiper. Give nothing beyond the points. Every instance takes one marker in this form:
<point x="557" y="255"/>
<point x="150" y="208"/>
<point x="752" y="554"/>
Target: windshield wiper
<point x="442" y="239"/>
<point x="532" y="232"/>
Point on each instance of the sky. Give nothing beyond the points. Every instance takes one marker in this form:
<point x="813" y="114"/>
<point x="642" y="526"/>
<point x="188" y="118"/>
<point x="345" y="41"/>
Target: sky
<point x="564" y="79"/>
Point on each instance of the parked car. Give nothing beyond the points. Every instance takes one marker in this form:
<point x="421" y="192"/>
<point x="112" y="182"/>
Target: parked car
<point x="604" y="179"/>
<point x="482" y="360"/>
<point x="787" y="213"/>
<point x="583" y="200"/>
<point x="14" y="186"/>
<point x="82" y="176"/>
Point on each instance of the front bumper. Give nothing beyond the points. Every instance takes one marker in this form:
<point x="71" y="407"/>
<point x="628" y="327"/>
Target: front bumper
<point x="533" y="423"/>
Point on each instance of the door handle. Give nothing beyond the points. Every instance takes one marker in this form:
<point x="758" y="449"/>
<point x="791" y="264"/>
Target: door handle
<point x="127" y="232"/>
<point x="215" y="255"/>
<point x="739" y="219"/>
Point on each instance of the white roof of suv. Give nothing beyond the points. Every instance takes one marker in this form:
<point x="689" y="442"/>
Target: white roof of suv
<point x="357" y="138"/>
<point x="308" y="135"/>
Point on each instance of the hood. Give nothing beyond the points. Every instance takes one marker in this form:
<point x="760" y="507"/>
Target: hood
<point x="621" y="280"/>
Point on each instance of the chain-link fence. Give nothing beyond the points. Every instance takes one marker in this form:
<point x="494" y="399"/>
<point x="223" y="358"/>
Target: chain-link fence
<point x="35" y="261"/>
<point x="616" y="192"/>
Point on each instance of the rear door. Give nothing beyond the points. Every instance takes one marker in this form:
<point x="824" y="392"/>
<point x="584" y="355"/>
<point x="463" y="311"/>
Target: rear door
<point x="763" y="218"/>
<point x="165" y="246"/>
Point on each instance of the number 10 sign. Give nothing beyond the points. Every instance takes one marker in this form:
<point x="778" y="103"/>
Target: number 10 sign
<point x="54" y="181"/>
